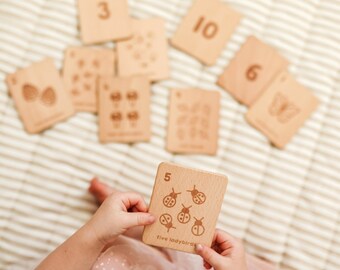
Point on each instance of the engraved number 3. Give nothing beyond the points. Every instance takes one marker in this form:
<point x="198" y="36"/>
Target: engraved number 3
<point x="104" y="12"/>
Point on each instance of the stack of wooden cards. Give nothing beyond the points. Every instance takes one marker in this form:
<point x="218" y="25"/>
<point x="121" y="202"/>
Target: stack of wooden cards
<point x="257" y="77"/>
<point x="186" y="203"/>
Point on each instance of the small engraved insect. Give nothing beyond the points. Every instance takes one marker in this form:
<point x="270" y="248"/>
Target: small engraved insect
<point x="116" y="96"/>
<point x="282" y="108"/>
<point x="116" y="116"/>
<point x="133" y="116"/>
<point x="132" y="95"/>
<point x="198" y="228"/>
<point x="184" y="216"/>
<point x="170" y="200"/>
<point x="48" y="97"/>
<point x="166" y="220"/>
<point x="29" y="92"/>
<point x="197" y="196"/>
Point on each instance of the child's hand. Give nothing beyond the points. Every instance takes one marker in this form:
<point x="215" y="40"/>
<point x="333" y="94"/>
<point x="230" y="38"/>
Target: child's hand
<point x="227" y="253"/>
<point x="119" y="212"/>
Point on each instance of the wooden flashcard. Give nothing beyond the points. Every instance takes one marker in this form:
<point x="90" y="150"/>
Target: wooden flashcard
<point x="147" y="52"/>
<point x="187" y="203"/>
<point x="282" y="109"/>
<point x="104" y="20"/>
<point x="205" y="30"/>
<point x="82" y="66"/>
<point x="124" y="109"/>
<point x="39" y="95"/>
<point x="193" y="121"/>
<point x="255" y="65"/>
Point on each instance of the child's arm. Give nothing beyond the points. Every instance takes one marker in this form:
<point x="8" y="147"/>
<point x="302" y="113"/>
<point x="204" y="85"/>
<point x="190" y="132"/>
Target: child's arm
<point x="112" y="219"/>
<point x="226" y="253"/>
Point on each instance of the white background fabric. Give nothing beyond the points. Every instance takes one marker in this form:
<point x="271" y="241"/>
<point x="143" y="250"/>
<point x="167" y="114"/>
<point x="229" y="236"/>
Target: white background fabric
<point x="284" y="204"/>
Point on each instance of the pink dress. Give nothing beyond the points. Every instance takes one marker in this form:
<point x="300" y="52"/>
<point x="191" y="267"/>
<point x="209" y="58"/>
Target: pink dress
<point x="131" y="254"/>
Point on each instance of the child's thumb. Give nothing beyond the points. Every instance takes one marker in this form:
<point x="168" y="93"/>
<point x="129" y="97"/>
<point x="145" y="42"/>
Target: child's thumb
<point x="209" y="255"/>
<point x="139" y="219"/>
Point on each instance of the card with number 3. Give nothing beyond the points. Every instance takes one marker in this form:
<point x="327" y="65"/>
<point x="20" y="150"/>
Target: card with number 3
<point x="104" y="20"/>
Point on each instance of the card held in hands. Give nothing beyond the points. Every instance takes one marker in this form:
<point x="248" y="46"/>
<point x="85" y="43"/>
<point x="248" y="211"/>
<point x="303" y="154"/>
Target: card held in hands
<point x="186" y="203"/>
<point x="39" y="95"/>
<point x="282" y="109"/>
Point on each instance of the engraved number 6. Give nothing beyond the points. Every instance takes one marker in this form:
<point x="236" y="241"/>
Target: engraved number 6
<point x="167" y="176"/>
<point x="105" y="12"/>
<point x="251" y="73"/>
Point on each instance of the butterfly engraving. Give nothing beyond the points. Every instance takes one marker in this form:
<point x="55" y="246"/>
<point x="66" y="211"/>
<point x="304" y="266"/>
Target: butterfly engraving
<point x="30" y="94"/>
<point x="282" y="108"/>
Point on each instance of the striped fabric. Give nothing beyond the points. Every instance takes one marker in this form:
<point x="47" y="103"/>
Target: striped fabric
<point x="283" y="204"/>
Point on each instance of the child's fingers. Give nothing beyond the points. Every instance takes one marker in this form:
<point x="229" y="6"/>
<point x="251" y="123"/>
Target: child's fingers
<point x="223" y="241"/>
<point x="135" y="201"/>
<point x="100" y="190"/>
<point x="138" y="219"/>
<point x="210" y="256"/>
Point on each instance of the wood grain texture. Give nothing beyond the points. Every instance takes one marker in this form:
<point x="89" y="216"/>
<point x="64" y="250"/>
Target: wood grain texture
<point x="82" y="67"/>
<point x="205" y="30"/>
<point x="124" y="109"/>
<point x="193" y="121"/>
<point x="282" y="109"/>
<point x="186" y="203"/>
<point x="40" y="96"/>
<point x="254" y="66"/>
<point x="104" y="20"/>
<point x="147" y="52"/>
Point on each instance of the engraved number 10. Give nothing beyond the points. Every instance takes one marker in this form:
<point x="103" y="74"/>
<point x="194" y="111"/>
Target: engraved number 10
<point x="209" y="29"/>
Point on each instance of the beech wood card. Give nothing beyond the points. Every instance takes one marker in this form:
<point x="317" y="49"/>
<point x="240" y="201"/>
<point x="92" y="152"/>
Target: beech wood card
<point x="193" y="121"/>
<point x="39" y="95"/>
<point x="124" y="109"/>
<point x="104" y="20"/>
<point x="205" y="30"/>
<point x="147" y="52"/>
<point x="186" y="203"/>
<point x="282" y="109"/>
<point x="82" y="66"/>
<point x="255" y="65"/>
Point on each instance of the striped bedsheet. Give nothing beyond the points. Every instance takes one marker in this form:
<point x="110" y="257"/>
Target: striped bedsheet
<point x="284" y="204"/>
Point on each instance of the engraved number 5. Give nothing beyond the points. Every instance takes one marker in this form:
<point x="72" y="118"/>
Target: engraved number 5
<point x="105" y="12"/>
<point x="167" y="176"/>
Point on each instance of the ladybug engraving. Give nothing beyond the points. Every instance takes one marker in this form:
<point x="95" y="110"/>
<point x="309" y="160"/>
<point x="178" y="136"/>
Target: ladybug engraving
<point x="170" y="200"/>
<point x="132" y="96"/>
<point x="198" y="228"/>
<point x="166" y="220"/>
<point x="116" y="96"/>
<point x="116" y="117"/>
<point x="197" y="196"/>
<point x="184" y="216"/>
<point x="133" y="116"/>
